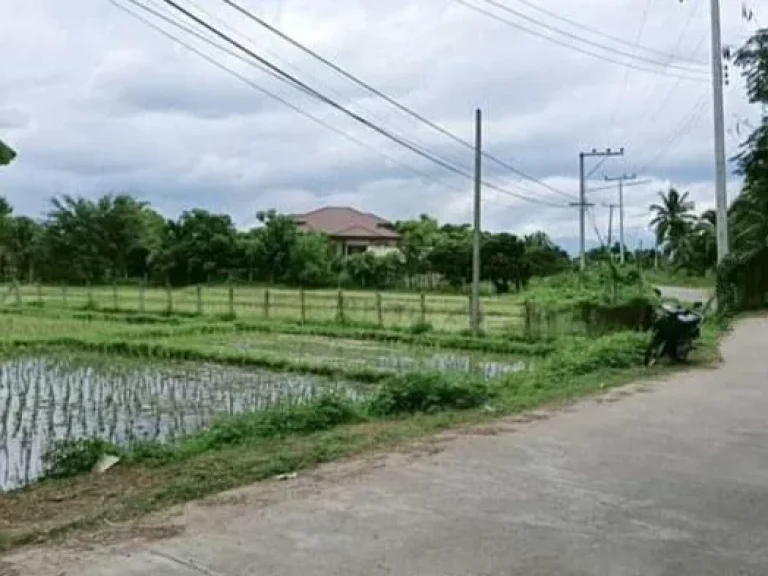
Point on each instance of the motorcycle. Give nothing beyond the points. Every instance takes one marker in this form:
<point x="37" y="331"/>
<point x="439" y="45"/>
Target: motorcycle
<point x="673" y="332"/>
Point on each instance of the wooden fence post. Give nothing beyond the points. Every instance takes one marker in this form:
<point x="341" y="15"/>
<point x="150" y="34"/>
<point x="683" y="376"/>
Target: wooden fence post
<point x="169" y="299"/>
<point x="199" y="291"/>
<point x="231" y="299"/>
<point x="423" y="308"/>
<point x="19" y="301"/>
<point x="303" y="298"/>
<point x="340" y="307"/>
<point x="115" y="299"/>
<point x="528" y="320"/>
<point x="379" y="310"/>
<point x="266" y="303"/>
<point x="39" y="294"/>
<point x="142" y="303"/>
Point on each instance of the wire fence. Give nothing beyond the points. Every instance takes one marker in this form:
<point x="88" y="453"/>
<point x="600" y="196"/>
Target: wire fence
<point x="384" y="309"/>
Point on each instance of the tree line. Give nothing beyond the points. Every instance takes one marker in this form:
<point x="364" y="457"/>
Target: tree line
<point x="117" y="238"/>
<point x="689" y="242"/>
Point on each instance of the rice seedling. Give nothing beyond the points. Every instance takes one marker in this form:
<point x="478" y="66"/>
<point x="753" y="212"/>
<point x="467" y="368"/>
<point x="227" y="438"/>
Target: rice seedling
<point x="44" y="399"/>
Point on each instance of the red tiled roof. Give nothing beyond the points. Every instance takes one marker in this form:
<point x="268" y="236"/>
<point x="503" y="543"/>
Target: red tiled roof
<point x="342" y="222"/>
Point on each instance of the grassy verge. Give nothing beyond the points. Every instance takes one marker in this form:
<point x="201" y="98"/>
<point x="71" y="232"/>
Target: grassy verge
<point x="259" y="446"/>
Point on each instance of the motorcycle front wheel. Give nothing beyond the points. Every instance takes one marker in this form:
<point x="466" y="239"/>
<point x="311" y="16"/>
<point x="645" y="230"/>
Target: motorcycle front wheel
<point x="654" y="352"/>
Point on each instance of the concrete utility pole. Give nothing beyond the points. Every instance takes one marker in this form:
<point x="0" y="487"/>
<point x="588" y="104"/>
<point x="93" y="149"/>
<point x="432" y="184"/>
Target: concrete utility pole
<point x="610" y="226"/>
<point x="721" y="193"/>
<point x="582" y="203"/>
<point x="475" y="312"/>
<point x="621" y="179"/>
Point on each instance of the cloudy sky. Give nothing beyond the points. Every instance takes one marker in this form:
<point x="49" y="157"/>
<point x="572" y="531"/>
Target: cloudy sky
<point x="96" y="101"/>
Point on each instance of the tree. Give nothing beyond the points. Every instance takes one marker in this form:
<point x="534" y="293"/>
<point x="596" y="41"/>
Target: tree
<point x="311" y="261"/>
<point x="747" y="266"/>
<point x="417" y="238"/>
<point x="7" y="154"/>
<point x="276" y="241"/>
<point x="197" y="248"/>
<point x="544" y="256"/>
<point x="504" y="262"/>
<point x="451" y="255"/>
<point x="672" y="220"/>
<point x="697" y="252"/>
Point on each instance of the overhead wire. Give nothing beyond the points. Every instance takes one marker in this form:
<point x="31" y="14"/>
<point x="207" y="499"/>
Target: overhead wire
<point x="390" y="100"/>
<point x="680" y="131"/>
<point x="686" y="73"/>
<point x="296" y="83"/>
<point x="251" y="83"/>
<point x="598" y="32"/>
<point x="222" y="24"/>
<point x="627" y="71"/>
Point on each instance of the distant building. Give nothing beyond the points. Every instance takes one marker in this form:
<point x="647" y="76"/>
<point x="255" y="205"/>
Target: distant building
<point x="351" y="230"/>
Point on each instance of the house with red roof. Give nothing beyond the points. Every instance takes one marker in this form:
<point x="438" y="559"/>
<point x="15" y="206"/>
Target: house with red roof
<point x="351" y="230"/>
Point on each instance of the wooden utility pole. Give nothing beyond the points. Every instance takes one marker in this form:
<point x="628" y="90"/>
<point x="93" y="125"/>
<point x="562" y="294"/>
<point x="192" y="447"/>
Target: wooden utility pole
<point x="475" y="312"/>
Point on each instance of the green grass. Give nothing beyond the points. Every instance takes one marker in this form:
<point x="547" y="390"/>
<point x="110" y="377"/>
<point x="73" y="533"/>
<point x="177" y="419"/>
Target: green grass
<point x="386" y="309"/>
<point x="253" y="447"/>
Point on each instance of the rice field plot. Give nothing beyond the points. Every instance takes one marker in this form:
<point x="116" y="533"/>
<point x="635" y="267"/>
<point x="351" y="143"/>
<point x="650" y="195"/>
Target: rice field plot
<point x="54" y="397"/>
<point x="349" y="353"/>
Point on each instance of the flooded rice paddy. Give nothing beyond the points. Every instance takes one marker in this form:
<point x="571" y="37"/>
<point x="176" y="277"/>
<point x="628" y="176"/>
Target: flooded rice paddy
<point x="49" y="398"/>
<point x="376" y="355"/>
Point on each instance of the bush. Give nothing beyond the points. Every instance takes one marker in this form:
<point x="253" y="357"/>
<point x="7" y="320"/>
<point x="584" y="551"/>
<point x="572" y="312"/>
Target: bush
<point x="68" y="458"/>
<point x="326" y="412"/>
<point x="622" y="350"/>
<point x="428" y="392"/>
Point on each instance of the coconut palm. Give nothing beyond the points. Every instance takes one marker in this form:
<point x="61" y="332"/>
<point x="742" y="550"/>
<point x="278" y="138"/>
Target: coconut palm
<point x="672" y="220"/>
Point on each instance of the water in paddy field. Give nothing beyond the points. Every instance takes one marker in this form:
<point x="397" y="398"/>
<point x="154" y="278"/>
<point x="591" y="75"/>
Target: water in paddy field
<point x="43" y="399"/>
<point x="392" y="358"/>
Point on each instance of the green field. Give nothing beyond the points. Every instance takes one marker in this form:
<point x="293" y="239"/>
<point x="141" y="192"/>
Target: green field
<point x="385" y="309"/>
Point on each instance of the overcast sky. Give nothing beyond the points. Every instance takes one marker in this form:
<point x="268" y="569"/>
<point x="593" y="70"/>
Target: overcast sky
<point x="95" y="101"/>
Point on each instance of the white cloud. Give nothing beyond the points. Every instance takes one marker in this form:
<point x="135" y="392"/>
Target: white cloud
<point x="96" y="102"/>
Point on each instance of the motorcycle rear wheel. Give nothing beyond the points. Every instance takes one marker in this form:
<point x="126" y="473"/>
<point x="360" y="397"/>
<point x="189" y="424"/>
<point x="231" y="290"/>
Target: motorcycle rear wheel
<point x="683" y="350"/>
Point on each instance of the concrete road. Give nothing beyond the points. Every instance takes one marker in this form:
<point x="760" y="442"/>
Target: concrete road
<point x="686" y="294"/>
<point x="661" y="479"/>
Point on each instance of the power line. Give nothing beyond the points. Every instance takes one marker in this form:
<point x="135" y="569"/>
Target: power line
<point x="627" y="71"/>
<point x="291" y="80"/>
<point x="605" y="35"/>
<point x="302" y="86"/>
<point x="611" y="50"/>
<point x="678" y="133"/>
<point x="252" y="84"/>
<point x="366" y="86"/>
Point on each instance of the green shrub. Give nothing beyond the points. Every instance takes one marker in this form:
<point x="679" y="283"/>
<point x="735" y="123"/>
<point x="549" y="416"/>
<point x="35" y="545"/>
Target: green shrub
<point x="428" y="392"/>
<point x="68" y="458"/>
<point x="622" y="350"/>
<point x="421" y="328"/>
<point x="326" y="412"/>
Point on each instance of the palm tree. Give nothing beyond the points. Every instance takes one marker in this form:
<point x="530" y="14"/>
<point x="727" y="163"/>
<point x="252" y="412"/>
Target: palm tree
<point x="672" y="220"/>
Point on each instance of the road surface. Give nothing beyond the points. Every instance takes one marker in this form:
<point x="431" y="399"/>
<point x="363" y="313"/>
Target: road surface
<point x="668" y="478"/>
<point x="686" y="294"/>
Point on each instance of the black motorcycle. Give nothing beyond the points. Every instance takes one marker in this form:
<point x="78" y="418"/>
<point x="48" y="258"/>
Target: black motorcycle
<point x="674" y="331"/>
